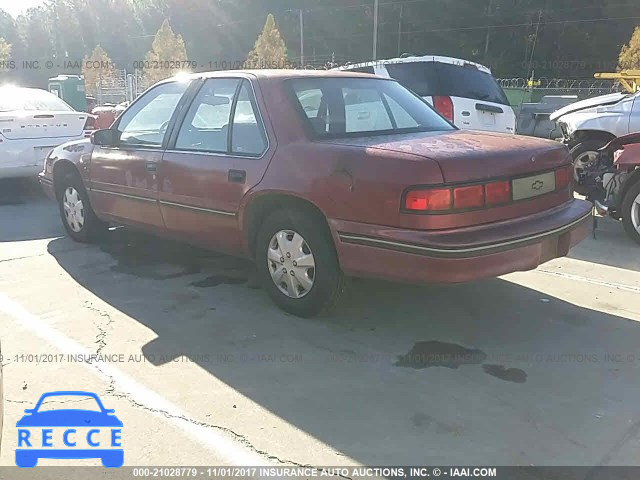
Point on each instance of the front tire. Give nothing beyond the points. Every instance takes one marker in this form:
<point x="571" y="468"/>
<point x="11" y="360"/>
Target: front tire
<point x="78" y="218"/>
<point x="297" y="263"/>
<point x="631" y="212"/>
<point x="584" y="155"/>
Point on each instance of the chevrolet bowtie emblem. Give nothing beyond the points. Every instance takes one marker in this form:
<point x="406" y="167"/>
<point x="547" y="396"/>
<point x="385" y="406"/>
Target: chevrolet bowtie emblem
<point x="537" y="185"/>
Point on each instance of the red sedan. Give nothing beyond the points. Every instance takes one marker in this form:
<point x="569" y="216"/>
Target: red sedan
<point x="318" y="175"/>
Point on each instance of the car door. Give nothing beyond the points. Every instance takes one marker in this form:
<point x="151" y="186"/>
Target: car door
<point x="220" y="151"/>
<point x="124" y="179"/>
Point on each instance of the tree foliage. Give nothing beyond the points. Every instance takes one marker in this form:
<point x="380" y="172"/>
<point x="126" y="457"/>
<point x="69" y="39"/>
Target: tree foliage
<point x="5" y="52"/>
<point x="575" y="38"/>
<point x="97" y="68"/>
<point x="269" y="50"/>
<point x="167" y="56"/>
<point x="630" y="53"/>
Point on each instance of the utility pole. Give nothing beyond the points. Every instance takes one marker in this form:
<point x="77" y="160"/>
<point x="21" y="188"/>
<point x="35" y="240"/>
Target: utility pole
<point x="488" y="36"/>
<point x="400" y="29"/>
<point x="301" y="39"/>
<point x="375" y="29"/>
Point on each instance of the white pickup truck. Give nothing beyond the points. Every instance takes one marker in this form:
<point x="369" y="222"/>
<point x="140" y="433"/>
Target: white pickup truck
<point x="590" y="124"/>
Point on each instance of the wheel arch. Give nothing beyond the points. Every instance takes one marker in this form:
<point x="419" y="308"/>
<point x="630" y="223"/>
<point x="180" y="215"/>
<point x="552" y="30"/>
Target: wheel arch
<point x="259" y="208"/>
<point x="60" y="169"/>
<point x="580" y="136"/>
<point x="631" y="181"/>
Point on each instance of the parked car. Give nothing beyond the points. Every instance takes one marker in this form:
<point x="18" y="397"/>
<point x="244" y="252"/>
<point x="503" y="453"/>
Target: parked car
<point x="590" y="124"/>
<point x="241" y="163"/>
<point x="463" y="92"/>
<point x="32" y="122"/>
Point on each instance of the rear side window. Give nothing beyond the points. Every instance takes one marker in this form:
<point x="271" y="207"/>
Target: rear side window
<point x="444" y="79"/>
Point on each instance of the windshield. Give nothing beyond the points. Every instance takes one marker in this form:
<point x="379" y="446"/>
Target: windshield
<point x="445" y="79"/>
<point x="335" y="107"/>
<point x="30" y="99"/>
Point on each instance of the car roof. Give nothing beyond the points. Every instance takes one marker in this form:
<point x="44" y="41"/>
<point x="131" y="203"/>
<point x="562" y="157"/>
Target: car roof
<point x="417" y="59"/>
<point x="279" y="74"/>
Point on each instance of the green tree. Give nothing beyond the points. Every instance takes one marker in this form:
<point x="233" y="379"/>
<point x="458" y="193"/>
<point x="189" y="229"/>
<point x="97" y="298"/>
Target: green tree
<point x="269" y="50"/>
<point x="5" y="50"/>
<point x="97" y="68"/>
<point x="166" y="57"/>
<point x="630" y="54"/>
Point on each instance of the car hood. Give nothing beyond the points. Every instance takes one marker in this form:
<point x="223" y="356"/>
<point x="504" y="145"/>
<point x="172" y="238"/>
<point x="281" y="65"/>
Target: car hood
<point x="609" y="99"/>
<point x="466" y="155"/>
<point x="69" y="418"/>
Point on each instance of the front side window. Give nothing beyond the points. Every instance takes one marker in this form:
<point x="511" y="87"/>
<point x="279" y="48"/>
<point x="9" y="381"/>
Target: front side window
<point x="146" y="122"/>
<point x="356" y="107"/>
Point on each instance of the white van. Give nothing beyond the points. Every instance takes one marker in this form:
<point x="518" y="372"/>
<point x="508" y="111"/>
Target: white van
<point x="463" y="92"/>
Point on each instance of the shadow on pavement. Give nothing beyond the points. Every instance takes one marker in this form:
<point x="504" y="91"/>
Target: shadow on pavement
<point x="611" y="246"/>
<point x="400" y="374"/>
<point x="26" y="213"/>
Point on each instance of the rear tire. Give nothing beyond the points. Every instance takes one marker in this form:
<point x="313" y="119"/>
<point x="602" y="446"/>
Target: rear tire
<point x="631" y="212"/>
<point x="299" y="289"/>
<point x="78" y="218"/>
<point x="582" y="155"/>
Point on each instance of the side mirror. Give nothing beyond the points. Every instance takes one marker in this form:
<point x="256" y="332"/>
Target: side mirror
<point x="106" y="137"/>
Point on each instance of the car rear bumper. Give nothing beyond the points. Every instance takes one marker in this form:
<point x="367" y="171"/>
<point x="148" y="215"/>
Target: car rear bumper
<point x="461" y="255"/>
<point x="19" y="171"/>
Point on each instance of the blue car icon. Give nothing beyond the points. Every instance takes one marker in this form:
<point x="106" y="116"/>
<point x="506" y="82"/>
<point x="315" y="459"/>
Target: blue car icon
<point x="68" y="419"/>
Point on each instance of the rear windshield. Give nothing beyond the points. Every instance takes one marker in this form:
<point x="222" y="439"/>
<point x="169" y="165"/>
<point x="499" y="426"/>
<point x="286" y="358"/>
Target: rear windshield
<point x="444" y="79"/>
<point x="338" y="107"/>
<point x="30" y="99"/>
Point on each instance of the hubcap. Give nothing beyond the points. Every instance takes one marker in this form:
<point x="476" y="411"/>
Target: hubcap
<point x="73" y="209"/>
<point x="635" y="213"/>
<point x="291" y="264"/>
<point x="583" y="161"/>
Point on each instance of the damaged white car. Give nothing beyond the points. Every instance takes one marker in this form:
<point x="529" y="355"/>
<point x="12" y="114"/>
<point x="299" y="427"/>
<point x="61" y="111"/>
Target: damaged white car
<point x="589" y="125"/>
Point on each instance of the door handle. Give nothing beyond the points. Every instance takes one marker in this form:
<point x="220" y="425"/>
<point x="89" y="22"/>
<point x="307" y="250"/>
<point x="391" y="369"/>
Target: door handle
<point x="237" y="176"/>
<point x="152" y="167"/>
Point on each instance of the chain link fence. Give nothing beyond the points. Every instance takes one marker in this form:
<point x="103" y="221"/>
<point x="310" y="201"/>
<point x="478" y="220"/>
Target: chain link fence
<point x="119" y="88"/>
<point x="520" y="90"/>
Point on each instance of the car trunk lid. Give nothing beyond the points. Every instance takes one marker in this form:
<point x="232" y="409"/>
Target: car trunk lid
<point x="468" y="156"/>
<point x="41" y="124"/>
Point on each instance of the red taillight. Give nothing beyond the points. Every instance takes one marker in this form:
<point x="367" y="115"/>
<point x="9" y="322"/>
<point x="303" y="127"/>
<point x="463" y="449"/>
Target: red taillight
<point x="468" y="197"/>
<point x="497" y="193"/>
<point x="424" y="200"/>
<point x="444" y="106"/>
<point x="564" y="176"/>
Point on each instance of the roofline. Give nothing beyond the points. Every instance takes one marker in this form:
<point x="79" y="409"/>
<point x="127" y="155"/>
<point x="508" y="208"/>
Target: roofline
<point x="417" y="59"/>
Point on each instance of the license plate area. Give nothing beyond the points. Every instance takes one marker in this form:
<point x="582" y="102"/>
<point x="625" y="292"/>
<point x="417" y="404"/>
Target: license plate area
<point x="533" y="186"/>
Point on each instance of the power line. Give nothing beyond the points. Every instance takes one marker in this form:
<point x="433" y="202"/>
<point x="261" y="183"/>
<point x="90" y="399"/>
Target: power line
<point x="513" y="25"/>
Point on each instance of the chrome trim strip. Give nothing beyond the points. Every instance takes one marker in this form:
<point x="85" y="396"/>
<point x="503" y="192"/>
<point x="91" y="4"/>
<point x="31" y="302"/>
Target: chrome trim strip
<point x="199" y="209"/>
<point x="118" y="194"/>
<point x="45" y="180"/>
<point x="377" y="242"/>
